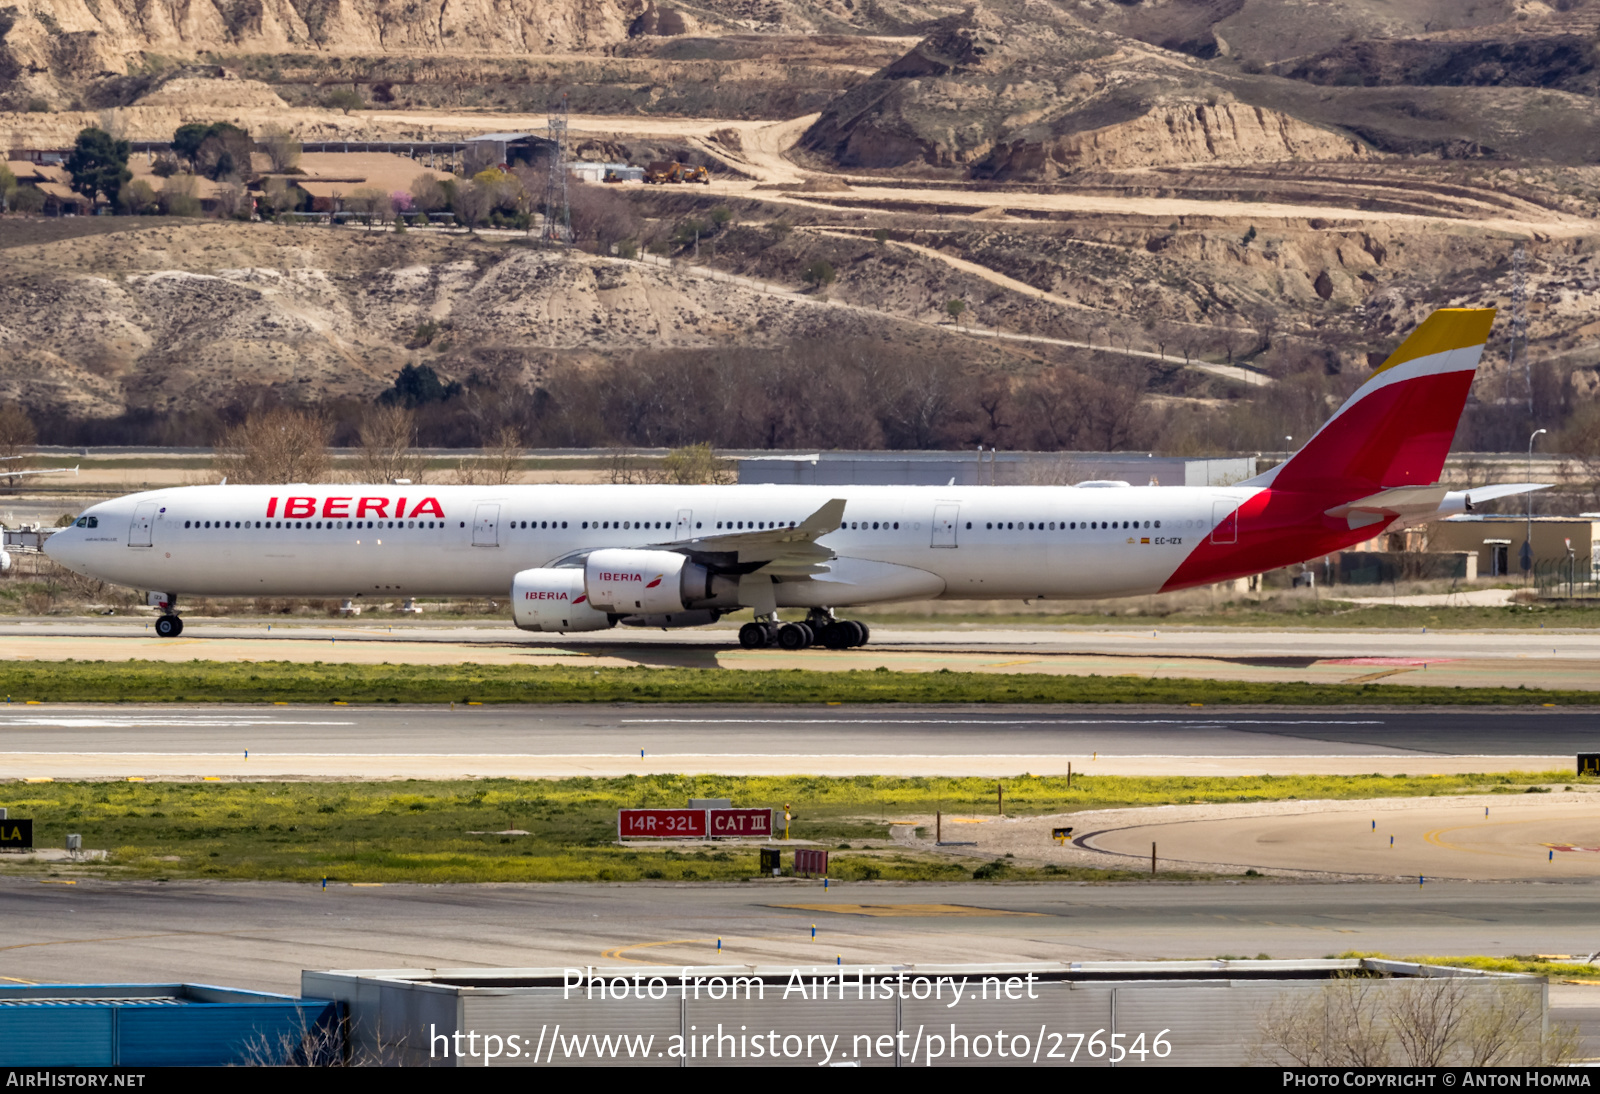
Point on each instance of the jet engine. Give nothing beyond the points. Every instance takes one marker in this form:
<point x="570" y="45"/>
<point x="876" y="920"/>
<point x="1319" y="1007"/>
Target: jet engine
<point x="624" y="581"/>
<point x="554" y="600"/>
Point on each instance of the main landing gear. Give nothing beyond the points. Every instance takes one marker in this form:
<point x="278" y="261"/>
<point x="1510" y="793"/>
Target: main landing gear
<point x="820" y="628"/>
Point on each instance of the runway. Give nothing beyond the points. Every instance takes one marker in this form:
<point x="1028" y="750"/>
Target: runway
<point x="196" y="740"/>
<point x="1535" y="658"/>
<point x="260" y="934"/>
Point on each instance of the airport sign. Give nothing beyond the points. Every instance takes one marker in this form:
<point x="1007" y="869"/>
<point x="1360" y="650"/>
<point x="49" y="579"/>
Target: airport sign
<point x="661" y="823"/>
<point x="740" y="822"/>
<point x="16" y="835"/>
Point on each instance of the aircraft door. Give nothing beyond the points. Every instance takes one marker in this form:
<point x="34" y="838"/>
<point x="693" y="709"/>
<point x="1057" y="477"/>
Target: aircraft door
<point x="685" y="526"/>
<point x="1224" y="522"/>
<point x="486" y="526"/>
<point x="944" y="525"/>
<point x="143" y="518"/>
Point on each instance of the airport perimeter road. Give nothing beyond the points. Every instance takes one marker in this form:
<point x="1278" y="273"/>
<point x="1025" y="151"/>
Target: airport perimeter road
<point x="1506" y="658"/>
<point x="194" y="740"/>
<point x="260" y="935"/>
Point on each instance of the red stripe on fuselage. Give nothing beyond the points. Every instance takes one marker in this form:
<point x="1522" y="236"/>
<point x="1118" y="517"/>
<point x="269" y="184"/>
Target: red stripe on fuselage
<point x="1274" y="528"/>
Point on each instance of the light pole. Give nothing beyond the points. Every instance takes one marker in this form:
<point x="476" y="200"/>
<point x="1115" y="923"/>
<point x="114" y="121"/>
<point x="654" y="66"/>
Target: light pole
<point x="1287" y="441"/>
<point x="1527" y="544"/>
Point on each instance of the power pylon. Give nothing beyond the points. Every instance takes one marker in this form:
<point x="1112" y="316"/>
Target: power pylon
<point x="557" y="211"/>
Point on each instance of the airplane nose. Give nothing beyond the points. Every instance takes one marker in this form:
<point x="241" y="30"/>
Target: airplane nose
<point x="58" y="547"/>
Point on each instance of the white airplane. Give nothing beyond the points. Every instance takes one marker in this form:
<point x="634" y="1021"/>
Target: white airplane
<point x="584" y="558"/>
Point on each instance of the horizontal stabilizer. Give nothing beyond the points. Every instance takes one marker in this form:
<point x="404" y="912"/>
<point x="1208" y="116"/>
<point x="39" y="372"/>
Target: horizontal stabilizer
<point x="1477" y="495"/>
<point x="1400" y="501"/>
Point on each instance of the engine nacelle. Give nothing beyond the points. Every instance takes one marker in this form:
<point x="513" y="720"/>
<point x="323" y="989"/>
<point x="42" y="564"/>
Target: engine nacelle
<point x="554" y="600"/>
<point x="692" y="618"/>
<point x="631" y="582"/>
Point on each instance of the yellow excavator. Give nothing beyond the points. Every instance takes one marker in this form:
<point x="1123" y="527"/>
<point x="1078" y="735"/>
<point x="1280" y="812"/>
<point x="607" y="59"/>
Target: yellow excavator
<point x="662" y="172"/>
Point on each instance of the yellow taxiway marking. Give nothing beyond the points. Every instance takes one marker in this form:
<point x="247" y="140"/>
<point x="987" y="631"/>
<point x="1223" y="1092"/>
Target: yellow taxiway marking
<point x="1435" y="837"/>
<point x="17" y="980"/>
<point x="1003" y="664"/>
<point x="907" y="911"/>
<point x="615" y="953"/>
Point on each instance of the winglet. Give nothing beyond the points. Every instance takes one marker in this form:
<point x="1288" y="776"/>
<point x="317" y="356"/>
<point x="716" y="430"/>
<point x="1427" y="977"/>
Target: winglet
<point x="824" y="520"/>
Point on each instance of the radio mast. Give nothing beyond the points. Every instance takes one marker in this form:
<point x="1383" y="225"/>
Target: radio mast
<point x="557" y="211"/>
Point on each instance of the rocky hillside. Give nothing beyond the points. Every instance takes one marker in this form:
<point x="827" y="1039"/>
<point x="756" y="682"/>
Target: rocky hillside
<point x="1036" y="98"/>
<point x="45" y="43"/>
<point x="174" y="316"/>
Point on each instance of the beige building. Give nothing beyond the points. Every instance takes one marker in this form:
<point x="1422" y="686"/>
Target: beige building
<point x="1498" y="539"/>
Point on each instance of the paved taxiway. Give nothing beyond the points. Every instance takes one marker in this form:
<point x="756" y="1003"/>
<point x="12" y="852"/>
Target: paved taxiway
<point x="1537" y="658"/>
<point x="194" y="740"/>
<point x="260" y="934"/>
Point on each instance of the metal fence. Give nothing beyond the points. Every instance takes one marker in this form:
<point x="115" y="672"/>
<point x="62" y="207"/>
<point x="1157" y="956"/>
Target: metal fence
<point x="1572" y="578"/>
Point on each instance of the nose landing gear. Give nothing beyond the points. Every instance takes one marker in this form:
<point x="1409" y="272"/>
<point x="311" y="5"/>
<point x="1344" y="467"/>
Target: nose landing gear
<point x="169" y="625"/>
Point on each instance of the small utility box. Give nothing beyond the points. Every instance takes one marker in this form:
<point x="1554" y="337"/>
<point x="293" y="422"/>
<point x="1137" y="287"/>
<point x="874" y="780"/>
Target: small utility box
<point x="1589" y="763"/>
<point x="771" y="861"/>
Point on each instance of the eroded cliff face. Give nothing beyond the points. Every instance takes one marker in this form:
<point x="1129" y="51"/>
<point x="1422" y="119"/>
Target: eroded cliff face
<point x="1184" y="132"/>
<point x="995" y="97"/>
<point x="47" y="43"/>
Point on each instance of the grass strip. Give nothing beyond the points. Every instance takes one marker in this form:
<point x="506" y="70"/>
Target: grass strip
<point x="1533" y="964"/>
<point x="319" y="682"/>
<point x="460" y="831"/>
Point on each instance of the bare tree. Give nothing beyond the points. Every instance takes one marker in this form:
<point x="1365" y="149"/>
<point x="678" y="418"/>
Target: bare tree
<point x="17" y="435"/>
<point x="386" y="437"/>
<point x="282" y="150"/>
<point x="372" y="204"/>
<point x="473" y="203"/>
<point x="499" y="464"/>
<point x="283" y="444"/>
<point x="280" y="195"/>
<point x="694" y="464"/>
<point x="427" y="194"/>
<point x="1430" y="1021"/>
<point x="603" y="216"/>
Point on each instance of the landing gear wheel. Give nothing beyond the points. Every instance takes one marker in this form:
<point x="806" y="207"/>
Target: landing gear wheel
<point x="794" y="636"/>
<point x="169" y="626"/>
<point x="836" y="636"/>
<point x="753" y="636"/>
<point x="857" y="632"/>
<point x="866" y="633"/>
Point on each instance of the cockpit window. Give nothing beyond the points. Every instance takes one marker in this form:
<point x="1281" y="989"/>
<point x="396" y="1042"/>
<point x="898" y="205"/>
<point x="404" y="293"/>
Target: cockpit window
<point x="88" y="522"/>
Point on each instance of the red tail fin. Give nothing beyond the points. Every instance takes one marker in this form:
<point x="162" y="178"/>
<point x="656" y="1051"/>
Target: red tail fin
<point x="1397" y="428"/>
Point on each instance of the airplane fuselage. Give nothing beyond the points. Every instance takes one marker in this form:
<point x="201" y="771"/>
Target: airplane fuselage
<point x="930" y="542"/>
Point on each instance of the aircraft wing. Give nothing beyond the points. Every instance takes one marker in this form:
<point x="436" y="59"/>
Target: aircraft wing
<point x="791" y="551"/>
<point x="5" y="474"/>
